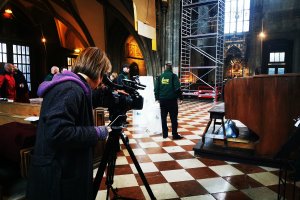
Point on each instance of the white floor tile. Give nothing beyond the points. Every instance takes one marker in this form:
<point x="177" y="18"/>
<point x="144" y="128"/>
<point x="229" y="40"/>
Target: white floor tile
<point x="148" y="144"/>
<point x="183" y="142"/>
<point x="216" y="185"/>
<point x="181" y="130"/>
<point x="231" y="163"/>
<point x="146" y="168"/>
<point x="160" y="191"/>
<point x="160" y="157"/>
<point x="199" y="197"/>
<point x="172" y="149"/>
<point x="123" y="181"/>
<point x="192" y="137"/>
<point x="138" y="152"/>
<point x="226" y="170"/>
<point x="101" y="195"/>
<point x="121" y="160"/>
<point x="125" y="152"/>
<point x="160" y="139"/>
<point x="199" y="132"/>
<point x="177" y="175"/>
<point x="187" y="126"/>
<point x="265" y="178"/>
<point x="261" y="193"/>
<point x="132" y="141"/>
<point x="140" y="135"/>
<point x="269" y="169"/>
<point x="190" y="163"/>
<point x="95" y="172"/>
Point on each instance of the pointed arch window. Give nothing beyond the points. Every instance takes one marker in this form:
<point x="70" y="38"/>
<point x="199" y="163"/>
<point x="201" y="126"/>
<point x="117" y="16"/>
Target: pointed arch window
<point x="237" y="16"/>
<point x="21" y="59"/>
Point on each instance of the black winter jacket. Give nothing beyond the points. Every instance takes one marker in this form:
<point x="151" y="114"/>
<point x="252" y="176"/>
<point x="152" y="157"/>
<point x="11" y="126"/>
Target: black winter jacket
<point x="61" y="165"/>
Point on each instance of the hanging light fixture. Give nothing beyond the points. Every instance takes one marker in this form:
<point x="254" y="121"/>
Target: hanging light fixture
<point x="43" y="40"/>
<point x="8" y="13"/>
<point x="77" y="50"/>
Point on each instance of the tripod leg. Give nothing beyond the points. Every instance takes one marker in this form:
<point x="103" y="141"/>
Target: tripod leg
<point x="138" y="167"/>
<point x="102" y="166"/>
<point x="111" y="169"/>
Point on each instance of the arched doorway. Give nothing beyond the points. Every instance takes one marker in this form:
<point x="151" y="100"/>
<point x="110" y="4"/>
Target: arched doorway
<point x="235" y="64"/>
<point x="134" y="57"/>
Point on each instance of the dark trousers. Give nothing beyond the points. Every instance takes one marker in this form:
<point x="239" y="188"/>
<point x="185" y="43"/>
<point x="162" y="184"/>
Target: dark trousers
<point x="171" y="107"/>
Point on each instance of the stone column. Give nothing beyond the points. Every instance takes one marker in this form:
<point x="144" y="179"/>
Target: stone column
<point x="172" y="48"/>
<point x="164" y="10"/>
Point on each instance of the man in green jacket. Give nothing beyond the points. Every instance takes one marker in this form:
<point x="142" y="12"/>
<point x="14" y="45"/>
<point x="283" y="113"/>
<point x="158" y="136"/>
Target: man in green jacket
<point x="167" y="92"/>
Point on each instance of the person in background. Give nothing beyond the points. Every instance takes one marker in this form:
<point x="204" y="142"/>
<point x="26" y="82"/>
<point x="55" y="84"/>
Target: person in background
<point x="124" y="74"/>
<point x="62" y="161"/>
<point x="22" y="90"/>
<point x="167" y="92"/>
<point x="54" y="70"/>
<point x="134" y="71"/>
<point x="7" y="82"/>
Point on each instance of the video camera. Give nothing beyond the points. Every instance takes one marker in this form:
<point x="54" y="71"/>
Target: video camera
<point x="119" y="103"/>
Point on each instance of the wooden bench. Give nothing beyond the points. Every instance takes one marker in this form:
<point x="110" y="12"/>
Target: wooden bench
<point x="216" y="113"/>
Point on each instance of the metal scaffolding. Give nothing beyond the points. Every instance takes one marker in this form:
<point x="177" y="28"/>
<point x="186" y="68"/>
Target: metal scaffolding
<point x="202" y="48"/>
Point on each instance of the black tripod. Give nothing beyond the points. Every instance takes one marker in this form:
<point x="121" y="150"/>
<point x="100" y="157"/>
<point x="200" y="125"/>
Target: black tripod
<point x="109" y="159"/>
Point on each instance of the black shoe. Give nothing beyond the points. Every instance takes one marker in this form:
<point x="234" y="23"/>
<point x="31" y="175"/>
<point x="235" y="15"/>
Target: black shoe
<point x="177" y="137"/>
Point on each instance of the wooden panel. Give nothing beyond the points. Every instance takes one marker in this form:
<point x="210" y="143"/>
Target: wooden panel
<point x="99" y="116"/>
<point x="20" y="108"/>
<point x="99" y="120"/>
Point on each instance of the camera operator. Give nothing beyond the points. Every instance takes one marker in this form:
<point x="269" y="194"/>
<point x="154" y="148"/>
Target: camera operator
<point x="61" y="164"/>
<point x="124" y="74"/>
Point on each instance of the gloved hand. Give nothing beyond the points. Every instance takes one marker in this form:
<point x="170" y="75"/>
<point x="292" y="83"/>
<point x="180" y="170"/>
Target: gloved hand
<point x="102" y="132"/>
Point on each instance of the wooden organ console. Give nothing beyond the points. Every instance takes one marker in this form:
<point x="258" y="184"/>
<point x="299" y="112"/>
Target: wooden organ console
<point x="267" y="105"/>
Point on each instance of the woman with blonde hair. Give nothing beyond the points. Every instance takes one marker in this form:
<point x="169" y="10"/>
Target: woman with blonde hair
<point x="61" y="165"/>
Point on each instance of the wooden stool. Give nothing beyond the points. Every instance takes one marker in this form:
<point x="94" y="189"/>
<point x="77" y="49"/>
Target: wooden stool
<point x="216" y="113"/>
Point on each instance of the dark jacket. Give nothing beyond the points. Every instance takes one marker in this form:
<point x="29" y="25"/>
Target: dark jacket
<point x="61" y="165"/>
<point x="167" y="86"/>
<point x="49" y="77"/>
<point x="122" y="75"/>
<point x="22" y="90"/>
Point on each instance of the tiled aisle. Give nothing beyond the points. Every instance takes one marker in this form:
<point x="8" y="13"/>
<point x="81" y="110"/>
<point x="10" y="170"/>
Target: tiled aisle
<point x="174" y="173"/>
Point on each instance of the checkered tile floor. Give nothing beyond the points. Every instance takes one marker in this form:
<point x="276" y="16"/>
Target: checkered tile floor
<point x="173" y="172"/>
